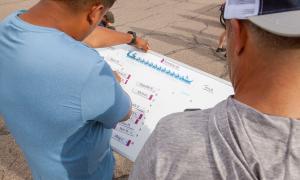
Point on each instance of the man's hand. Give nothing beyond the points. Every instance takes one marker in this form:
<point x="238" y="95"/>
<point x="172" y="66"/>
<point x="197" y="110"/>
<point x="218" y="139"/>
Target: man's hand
<point x="142" y="44"/>
<point x="117" y="76"/>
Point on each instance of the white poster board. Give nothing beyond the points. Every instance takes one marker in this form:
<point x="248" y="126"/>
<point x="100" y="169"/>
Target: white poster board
<point x="158" y="86"/>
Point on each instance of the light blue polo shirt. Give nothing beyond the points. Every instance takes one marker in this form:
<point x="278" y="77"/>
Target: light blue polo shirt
<point x="60" y="101"/>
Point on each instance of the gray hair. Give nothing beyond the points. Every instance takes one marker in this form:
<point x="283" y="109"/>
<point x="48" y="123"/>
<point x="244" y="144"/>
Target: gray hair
<point x="272" y="41"/>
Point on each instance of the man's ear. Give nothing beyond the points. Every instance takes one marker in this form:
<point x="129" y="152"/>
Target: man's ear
<point x="95" y="14"/>
<point x="240" y="36"/>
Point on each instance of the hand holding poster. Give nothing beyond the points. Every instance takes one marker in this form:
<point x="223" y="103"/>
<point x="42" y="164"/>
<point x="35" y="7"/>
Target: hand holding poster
<point x="158" y="86"/>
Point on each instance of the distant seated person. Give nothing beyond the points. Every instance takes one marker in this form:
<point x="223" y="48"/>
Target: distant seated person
<point x="108" y="20"/>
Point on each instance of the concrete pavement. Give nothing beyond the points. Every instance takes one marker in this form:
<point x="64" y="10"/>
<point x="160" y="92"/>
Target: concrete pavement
<point x="186" y="30"/>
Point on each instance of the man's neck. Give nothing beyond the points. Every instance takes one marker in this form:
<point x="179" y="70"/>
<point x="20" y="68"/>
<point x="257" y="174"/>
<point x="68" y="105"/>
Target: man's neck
<point x="53" y="15"/>
<point x="273" y="90"/>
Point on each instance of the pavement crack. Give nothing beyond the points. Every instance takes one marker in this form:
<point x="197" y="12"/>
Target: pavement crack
<point x="12" y="163"/>
<point x="3" y="175"/>
<point x="137" y="20"/>
<point x="154" y="6"/>
<point x="217" y="55"/>
<point x="207" y="10"/>
<point x="178" y="50"/>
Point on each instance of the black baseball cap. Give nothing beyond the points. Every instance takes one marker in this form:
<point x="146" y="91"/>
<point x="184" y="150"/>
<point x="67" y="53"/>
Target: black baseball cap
<point x="280" y="17"/>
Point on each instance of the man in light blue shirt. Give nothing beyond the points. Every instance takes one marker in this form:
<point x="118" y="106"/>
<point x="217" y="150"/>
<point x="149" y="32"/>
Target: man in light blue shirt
<point x="58" y="97"/>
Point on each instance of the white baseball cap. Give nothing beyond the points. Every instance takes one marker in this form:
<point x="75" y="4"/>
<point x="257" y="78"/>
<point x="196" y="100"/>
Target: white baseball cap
<point x="281" y="17"/>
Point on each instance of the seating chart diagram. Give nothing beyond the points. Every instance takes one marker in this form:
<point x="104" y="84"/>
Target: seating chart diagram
<point x="158" y="86"/>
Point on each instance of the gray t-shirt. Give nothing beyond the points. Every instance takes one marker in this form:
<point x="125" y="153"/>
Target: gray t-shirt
<point x="230" y="141"/>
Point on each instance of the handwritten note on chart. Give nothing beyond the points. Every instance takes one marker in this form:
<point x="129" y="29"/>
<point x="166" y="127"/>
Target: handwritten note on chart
<point x="158" y="86"/>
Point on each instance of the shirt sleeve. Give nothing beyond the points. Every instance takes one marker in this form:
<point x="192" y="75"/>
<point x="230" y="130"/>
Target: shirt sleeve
<point x="145" y="166"/>
<point x="102" y="97"/>
<point x="153" y="161"/>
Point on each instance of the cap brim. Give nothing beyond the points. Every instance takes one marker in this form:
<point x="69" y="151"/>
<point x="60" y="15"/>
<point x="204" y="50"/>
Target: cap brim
<point x="283" y="24"/>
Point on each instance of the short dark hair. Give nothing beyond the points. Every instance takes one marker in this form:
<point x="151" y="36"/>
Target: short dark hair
<point x="270" y="40"/>
<point x="84" y="3"/>
<point x="109" y="16"/>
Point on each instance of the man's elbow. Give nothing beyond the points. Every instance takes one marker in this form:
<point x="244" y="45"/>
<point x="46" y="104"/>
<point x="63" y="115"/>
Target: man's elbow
<point x="128" y="115"/>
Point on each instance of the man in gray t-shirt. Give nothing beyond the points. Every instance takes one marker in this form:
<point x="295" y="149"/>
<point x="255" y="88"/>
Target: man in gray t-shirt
<point x="253" y="135"/>
<point x="230" y="141"/>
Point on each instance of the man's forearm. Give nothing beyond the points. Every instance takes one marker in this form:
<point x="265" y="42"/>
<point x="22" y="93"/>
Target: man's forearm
<point x="103" y="37"/>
